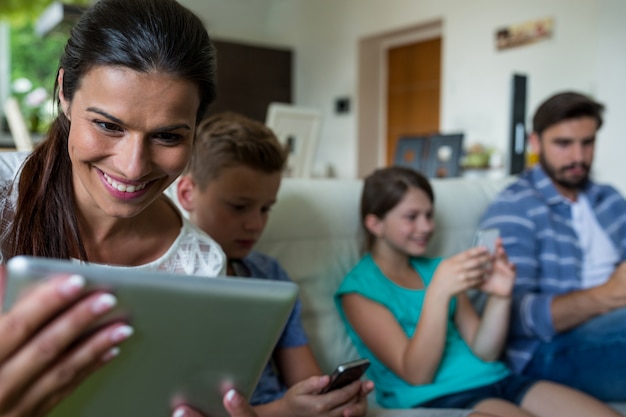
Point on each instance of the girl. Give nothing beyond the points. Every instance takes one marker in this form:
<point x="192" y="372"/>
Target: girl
<point x="411" y="317"/>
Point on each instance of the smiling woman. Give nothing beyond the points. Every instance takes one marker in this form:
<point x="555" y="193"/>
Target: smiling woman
<point x="134" y="79"/>
<point x="130" y="96"/>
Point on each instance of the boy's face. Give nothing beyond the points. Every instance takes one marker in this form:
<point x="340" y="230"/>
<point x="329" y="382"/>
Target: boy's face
<point x="234" y="207"/>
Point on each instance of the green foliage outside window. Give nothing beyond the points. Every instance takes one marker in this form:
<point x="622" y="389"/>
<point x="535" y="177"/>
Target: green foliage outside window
<point x="34" y="59"/>
<point x="16" y="10"/>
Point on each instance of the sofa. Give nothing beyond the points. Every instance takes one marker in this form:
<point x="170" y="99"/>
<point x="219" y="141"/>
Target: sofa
<point x="314" y="231"/>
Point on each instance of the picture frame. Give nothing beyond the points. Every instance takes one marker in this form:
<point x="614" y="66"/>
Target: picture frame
<point x="435" y="156"/>
<point x="411" y="152"/>
<point x="297" y="128"/>
<point x="444" y="155"/>
<point x="524" y="33"/>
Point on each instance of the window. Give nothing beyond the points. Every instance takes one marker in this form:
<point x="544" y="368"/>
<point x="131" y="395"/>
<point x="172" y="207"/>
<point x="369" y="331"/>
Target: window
<point x="29" y="62"/>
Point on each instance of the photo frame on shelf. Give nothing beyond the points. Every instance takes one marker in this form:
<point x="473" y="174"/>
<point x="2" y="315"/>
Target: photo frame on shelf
<point x="444" y="155"/>
<point x="297" y="128"/>
<point x="411" y="152"/>
<point x="435" y="156"/>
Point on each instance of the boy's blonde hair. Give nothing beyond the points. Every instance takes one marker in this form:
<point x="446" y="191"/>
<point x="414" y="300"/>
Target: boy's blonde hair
<point x="230" y="139"/>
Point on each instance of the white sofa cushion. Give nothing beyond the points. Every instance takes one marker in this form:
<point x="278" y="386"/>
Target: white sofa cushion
<point x="314" y="232"/>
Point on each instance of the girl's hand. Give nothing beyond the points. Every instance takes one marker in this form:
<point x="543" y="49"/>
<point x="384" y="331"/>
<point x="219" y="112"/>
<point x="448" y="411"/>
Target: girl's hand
<point x="501" y="277"/>
<point x="461" y="272"/>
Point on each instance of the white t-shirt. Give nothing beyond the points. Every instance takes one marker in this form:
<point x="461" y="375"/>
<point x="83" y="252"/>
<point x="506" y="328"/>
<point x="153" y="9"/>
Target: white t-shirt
<point x="599" y="254"/>
<point x="192" y="253"/>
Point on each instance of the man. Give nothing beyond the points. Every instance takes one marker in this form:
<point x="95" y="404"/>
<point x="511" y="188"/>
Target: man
<point x="567" y="238"/>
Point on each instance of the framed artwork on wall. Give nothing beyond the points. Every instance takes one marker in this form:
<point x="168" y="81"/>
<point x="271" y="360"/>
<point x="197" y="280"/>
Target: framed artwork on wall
<point x="524" y="33"/>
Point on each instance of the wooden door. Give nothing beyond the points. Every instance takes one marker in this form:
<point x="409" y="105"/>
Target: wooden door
<point x="413" y="91"/>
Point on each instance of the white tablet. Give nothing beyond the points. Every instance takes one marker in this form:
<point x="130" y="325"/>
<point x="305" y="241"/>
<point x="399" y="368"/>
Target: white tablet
<point x="193" y="335"/>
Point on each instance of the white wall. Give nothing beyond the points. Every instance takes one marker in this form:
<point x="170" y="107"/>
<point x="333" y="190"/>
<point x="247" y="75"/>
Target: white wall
<point x="240" y="20"/>
<point x="477" y="77"/>
<point x="611" y="89"/>
<point x="585" y="54"/>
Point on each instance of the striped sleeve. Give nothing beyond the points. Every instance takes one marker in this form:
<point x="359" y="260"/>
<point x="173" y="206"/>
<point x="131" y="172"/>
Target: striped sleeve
<point x="513" y="216"/>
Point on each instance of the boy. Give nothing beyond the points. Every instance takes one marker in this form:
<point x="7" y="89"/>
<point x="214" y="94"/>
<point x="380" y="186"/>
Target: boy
<point x="228" y="190"/>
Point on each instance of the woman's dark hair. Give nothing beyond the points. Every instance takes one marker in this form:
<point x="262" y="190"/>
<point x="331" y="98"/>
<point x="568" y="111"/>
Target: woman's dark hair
<point x="382" y="191"/>
<point x="146" y="36"/>
<point x="565" y="106"/>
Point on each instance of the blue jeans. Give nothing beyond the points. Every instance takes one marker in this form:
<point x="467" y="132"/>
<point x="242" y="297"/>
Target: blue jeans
<point x="591" y="357"/>
<point x="512" y="388"/>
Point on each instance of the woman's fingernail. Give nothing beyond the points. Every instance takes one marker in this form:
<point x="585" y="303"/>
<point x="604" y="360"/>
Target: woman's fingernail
<point x="121" y="333"/>
<point x="180" y="413"/>
<point x="103" y="303"/>
<point x="232" y="397"/>
<point x="72" y="285"/>
<point x="113" y="352"/>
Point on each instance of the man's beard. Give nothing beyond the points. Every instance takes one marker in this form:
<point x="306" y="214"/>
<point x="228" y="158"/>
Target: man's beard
<point x="557" y="174"/>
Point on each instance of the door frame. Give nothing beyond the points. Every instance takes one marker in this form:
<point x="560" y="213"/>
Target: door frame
<point x="372" y="87"/>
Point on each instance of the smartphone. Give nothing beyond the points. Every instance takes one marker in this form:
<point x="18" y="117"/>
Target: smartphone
<point x="487" y="238"/>
<point x="345" y="374"/>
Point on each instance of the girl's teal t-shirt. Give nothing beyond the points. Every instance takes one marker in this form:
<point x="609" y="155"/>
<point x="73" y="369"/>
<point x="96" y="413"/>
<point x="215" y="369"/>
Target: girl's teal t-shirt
<point x="460" y="368"/>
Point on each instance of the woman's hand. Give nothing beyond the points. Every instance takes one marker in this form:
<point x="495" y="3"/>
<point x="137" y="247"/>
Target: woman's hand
<point x="461" y="272"/>
<point x="235" y="404"/>
<point x="41" y="357"/>
<point x="501" y="277"/>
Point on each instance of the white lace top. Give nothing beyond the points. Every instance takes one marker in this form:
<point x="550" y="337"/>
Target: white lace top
<point x="192" y="253"/>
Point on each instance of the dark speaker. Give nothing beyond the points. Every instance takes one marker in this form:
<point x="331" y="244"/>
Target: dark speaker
<point x="518" y="125"/>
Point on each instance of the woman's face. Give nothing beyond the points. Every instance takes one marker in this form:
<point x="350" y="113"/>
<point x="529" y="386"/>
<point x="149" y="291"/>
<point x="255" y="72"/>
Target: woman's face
<point x="131" y="135"/>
